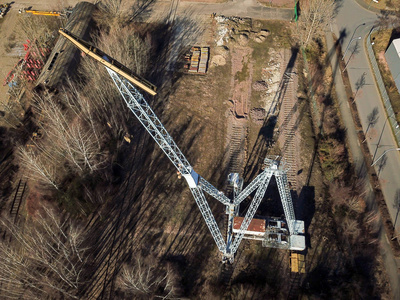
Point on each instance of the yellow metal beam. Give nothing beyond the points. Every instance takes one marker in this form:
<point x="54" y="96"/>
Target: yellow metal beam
<point x="109" y="62"/>
<point x="44" y="13"/>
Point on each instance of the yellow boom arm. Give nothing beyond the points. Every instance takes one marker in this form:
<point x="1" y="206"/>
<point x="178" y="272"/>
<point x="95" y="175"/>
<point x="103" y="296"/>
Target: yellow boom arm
<point x="43" y="13"/>
<point x="109" y="62"/>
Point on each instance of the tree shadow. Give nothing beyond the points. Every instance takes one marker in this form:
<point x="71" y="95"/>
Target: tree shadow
<point x="315" y="81"/>
<point x="337" y="7"/>
<point x="140" y="11"/>
<point x="396" y="205"/>
<point x="372" y="119"/>
<point x="360" y="83"/>
<point x="382" y="164"/>
<point x="354" y="50"/>
<point x="171" y="41"/>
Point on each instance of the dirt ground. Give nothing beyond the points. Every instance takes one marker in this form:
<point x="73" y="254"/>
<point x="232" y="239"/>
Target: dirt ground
<point x="220" y="122"/>
<point x="383" y="4"/>
<point x="278" y="3"/>
<point x="215" y="112"/>
<point x="8" y="58"/>
<point x="13" y="37"/>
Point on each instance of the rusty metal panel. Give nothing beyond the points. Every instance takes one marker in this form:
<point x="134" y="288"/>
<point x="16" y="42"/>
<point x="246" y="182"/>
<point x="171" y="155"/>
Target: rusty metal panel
<point x="256" y="225"/>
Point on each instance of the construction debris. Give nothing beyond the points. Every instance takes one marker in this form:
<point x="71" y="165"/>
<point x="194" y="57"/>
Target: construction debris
<point x="258" y="115"/>
<point x="29" y="67"/>
<point x="3" y="9"/>
<point x="240" y="30"/>
<point x="260" y="86"/>
<point x="270" y="79"/>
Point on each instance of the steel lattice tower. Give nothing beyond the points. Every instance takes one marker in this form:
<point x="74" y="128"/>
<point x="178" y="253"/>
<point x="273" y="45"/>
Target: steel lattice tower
<point x="198" y="185"/>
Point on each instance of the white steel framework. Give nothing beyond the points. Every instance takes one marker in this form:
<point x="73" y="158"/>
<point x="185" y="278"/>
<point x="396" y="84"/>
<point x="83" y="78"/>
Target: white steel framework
<point x="198" y="185"/>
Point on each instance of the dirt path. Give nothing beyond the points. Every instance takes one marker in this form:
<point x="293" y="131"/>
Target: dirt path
<point x="8" y="57"/>
<point x="240" y="98"/>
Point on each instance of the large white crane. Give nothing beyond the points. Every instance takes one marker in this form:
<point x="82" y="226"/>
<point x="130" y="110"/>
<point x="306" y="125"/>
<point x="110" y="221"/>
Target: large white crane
<point x="198" y="185"/>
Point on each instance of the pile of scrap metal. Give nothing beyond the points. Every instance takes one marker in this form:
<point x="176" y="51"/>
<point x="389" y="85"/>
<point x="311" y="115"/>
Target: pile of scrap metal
<point x="3" y="9"/>
<point x="29" y="67"/>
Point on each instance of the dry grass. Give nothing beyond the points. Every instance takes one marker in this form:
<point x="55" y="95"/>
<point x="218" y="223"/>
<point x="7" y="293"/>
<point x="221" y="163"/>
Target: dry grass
<point x="381" y="39"/>
<point x="384" y="4"/>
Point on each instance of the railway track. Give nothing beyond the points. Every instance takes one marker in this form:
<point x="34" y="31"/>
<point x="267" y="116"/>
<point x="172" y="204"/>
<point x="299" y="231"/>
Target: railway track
<point x="15" y="206"/>
<point x="236" y="149"/>
<point x="294" y="283"/>
<point x="17" y="200"/>
<point x="288" y="116"/>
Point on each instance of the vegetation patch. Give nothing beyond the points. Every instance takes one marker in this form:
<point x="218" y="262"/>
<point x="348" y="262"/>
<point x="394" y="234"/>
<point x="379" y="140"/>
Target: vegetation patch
<point x="243" y="74"/>
<point x="342" y="216"/>
<point x="382" y="39"/>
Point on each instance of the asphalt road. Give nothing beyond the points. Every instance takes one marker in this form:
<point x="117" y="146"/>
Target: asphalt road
<point x="354" y="23"/>
<point x="349" y="20"/>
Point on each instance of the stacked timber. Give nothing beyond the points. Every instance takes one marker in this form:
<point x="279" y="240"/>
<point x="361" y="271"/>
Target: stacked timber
<point x="199" y="60"/>
<point x="194" y="60"/>
<point x="203" y="60"/>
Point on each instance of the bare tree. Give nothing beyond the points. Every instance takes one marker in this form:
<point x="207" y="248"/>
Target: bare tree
<point x="351" y="228"/>
<point x="314" y="19"/>
<point x="44" y="260"/>
<point x="69" y="134"/>
<point x="112" y="9"/>
<point x="146" y="280"/>
<point x="387" y="19"/>
<point x="38" y="167"/>
<point x="123" y="44"/>
<point x="356" y="204"/>
<point x="339" y="191"/>
<point x="113" y="13"/>
<point x="40" y="30"/>
<point x="81" y="106"/>
<point x="107" y="105"/>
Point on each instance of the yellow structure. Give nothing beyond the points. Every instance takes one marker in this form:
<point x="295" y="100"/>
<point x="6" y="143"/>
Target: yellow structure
<point x="297" y="263"/>
<point x="109" y="62"/>
<point x="43" y="13"/>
